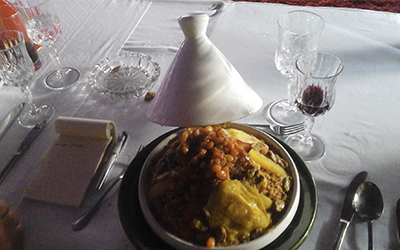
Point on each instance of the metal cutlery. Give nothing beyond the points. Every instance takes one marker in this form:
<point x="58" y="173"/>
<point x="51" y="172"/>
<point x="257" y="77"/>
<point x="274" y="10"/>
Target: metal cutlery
<point x="22" y="148"/>
<point x="282" y="129"/>
<point x="88" y="214"/>
<point x="348" y="210"/>
<point x="368" y="204"/>
<point x="115" y="152"/>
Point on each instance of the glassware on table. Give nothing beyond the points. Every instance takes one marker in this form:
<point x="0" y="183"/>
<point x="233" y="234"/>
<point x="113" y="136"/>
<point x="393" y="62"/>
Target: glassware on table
<point x="11" y="19"/>
<point x="314" y="95"/>
<point x="298" y="33"/>
<point x="124" y="76"/>
<point x="43" y="27"/>
<point x="17" y="69"/>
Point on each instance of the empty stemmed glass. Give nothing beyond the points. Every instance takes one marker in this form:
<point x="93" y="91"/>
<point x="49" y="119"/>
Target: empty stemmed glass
<point x="18" y="69"/>
<point x="298" y="33"/>
<point x="43" y="27"/>
<point x="314" y="95"/>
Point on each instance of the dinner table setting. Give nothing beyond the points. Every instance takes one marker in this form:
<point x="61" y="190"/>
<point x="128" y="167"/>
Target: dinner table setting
<point x="75" y="153"/>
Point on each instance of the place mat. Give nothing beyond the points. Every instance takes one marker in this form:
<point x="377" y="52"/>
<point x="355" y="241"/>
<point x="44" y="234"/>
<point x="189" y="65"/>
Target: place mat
<point x="142" y="237"/>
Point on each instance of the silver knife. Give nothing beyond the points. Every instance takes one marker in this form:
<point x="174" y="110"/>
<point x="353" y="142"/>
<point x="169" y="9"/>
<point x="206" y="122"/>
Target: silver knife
<point x="398" y="221"/>
<point x="348" y="209"/>
<point x="22" y="148"/>
<point x="10" y="118"/>
<point x="115" y="152"/>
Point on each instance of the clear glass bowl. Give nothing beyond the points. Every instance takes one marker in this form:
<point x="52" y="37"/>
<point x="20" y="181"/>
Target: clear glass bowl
<point x="129" y="75"/>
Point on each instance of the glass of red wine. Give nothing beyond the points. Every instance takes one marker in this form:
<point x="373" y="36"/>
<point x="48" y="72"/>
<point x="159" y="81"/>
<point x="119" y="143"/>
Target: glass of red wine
<point x="314" y="95"/>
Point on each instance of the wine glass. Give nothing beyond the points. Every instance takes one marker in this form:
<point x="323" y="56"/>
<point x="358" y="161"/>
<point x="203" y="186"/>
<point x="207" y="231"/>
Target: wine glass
<point x="314" y="95"/>
<point x="11" y="19"/>
<point x="18" y="69"/>
<point x="43" y="27"/>
<point x="298" y="33"/>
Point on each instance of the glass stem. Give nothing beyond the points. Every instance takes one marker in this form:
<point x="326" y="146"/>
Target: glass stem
<point x="54" y="53"/>
<point x="291" y="87"/>
<point x="308" y="124"/>
<point x="28" y="94"/>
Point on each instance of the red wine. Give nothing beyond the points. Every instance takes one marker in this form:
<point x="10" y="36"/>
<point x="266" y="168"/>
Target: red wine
<point x="312" y="102"/>
<point x="312" y="110"/>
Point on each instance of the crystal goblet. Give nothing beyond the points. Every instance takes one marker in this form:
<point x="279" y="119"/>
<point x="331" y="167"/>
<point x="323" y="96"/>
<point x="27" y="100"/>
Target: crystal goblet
<point x="314" y="95"/>
<point x="17" y="68"/>
<point x="44" y="28"/>
<point x="11" y="19"/>
<point x="298" y="34"/>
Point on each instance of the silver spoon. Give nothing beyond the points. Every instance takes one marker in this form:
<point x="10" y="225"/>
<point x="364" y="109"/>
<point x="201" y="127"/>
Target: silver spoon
<point x="368" y="203"/>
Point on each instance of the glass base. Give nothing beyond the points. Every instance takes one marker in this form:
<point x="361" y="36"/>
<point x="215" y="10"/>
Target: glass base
<point x="43" y="114"/>
<point x="281" y="113"/>
<point x="63" y="79"/>
<point x="309" y="151"/>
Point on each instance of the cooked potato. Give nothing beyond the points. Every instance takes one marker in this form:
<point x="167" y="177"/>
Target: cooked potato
<point x="242" y="136"/>
<point x="266" y="163"/>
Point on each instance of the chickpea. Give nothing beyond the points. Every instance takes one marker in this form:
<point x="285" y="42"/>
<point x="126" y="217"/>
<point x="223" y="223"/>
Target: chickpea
<point x="185" y="149"/>
<point x="221" y="133"/>
<point x="234" y="153"/>
<point x="221" y="175"/>
<point x="229" y="158"/>
<point x="225" y="169"/>
<point x="226" y="150"/>
<point x="218" y="140"/>
<point x="211" y="242"/>
<point x="216" y="168"/>
<point x="196" y="132"/>
<point x="208" y="129"/>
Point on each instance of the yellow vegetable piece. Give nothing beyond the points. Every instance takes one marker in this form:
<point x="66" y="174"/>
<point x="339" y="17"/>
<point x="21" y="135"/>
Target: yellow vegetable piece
<point x="239" y="208"/>
<point x="242" y="136"/>
<point x="266" y="163"/>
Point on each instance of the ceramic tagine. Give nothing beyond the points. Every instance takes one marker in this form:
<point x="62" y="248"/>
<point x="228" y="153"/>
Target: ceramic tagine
<point x="201" y="87"/>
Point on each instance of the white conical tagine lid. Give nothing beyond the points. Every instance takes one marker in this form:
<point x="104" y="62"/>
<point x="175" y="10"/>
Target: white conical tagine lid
<point x="201" y="87"/>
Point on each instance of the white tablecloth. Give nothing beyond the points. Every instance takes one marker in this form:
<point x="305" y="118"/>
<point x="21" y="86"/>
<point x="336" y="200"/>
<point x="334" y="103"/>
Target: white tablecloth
<point x="361" y="131"/>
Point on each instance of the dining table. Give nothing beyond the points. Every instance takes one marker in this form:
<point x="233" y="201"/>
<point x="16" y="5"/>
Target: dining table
<point x="361" y="131"/>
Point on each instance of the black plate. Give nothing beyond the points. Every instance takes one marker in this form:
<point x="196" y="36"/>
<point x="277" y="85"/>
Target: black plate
<point x="142" y="237"/>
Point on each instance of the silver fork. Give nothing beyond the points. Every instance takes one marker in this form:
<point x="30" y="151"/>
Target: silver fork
<point x="282" y="129"/>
